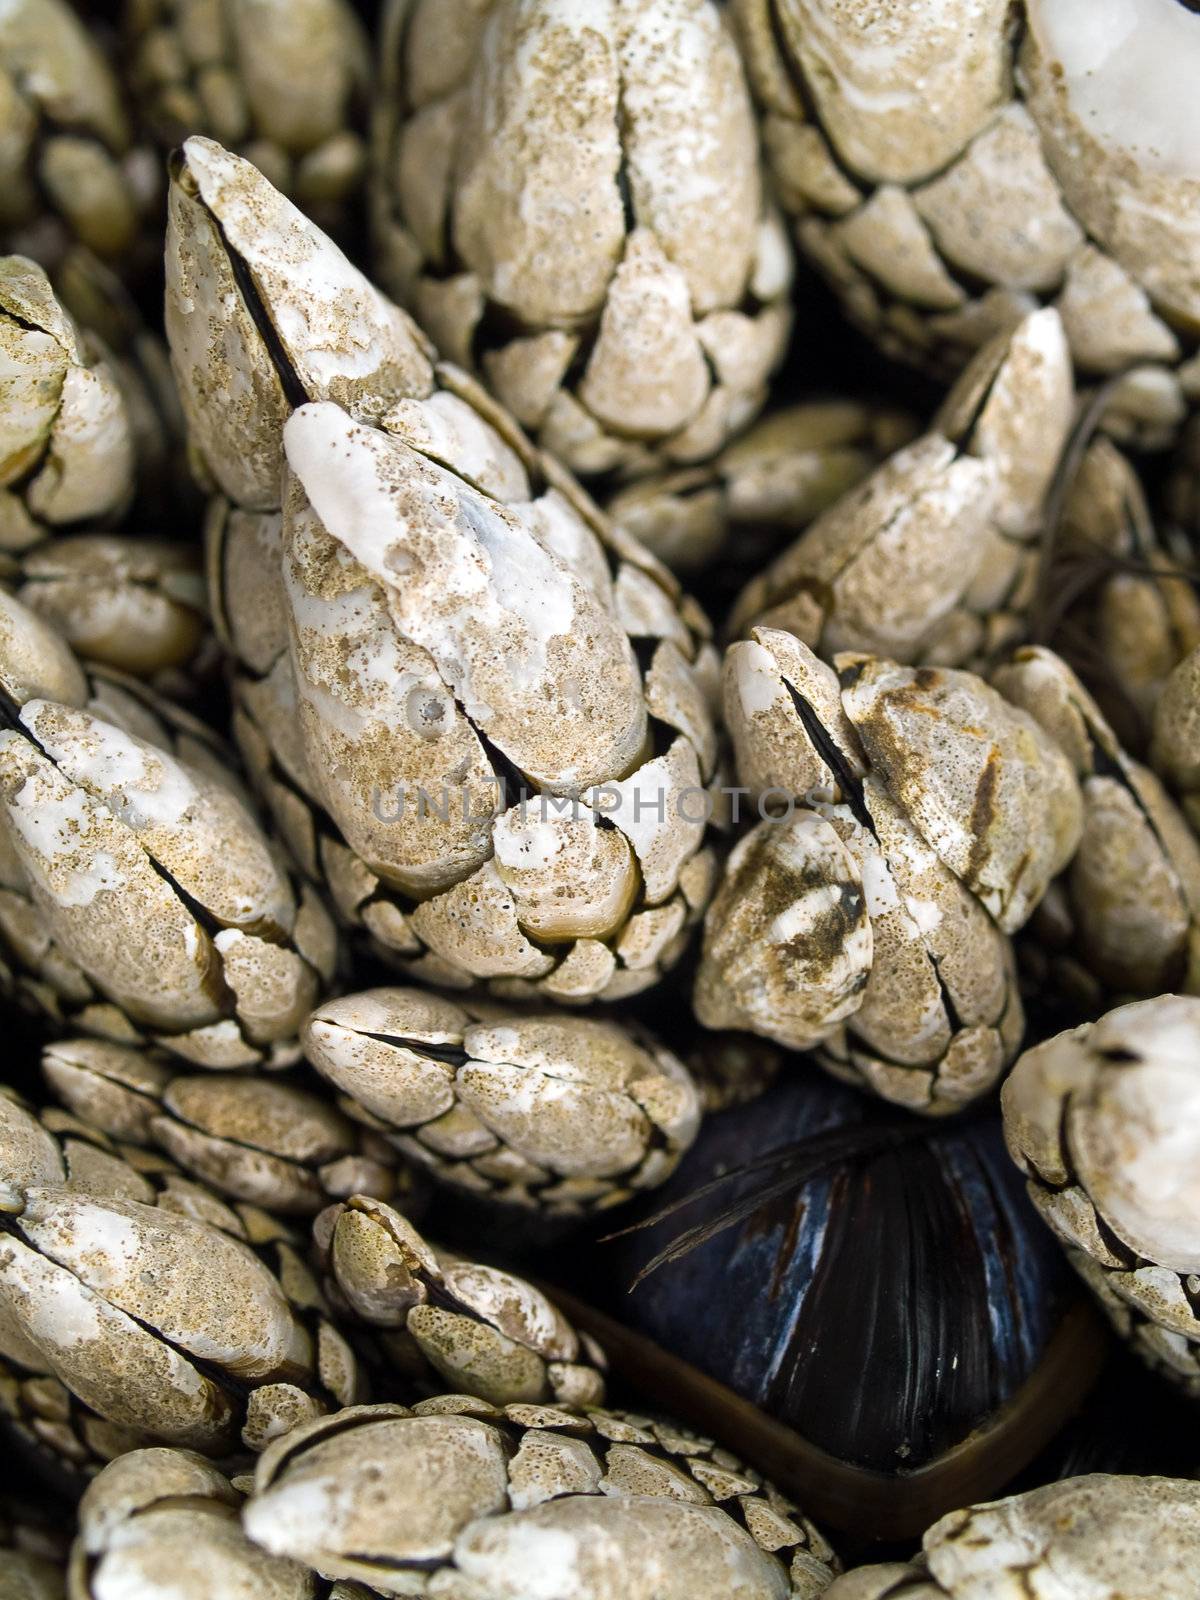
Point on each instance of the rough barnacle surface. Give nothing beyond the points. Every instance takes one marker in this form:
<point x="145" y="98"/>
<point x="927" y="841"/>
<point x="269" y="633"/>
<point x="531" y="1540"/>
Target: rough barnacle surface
<point x="263" y="1141"/>
<point x="762" y="488"/>
<point x="163" y="1525"/>
<point x="948" y="169"/>
<point x="478" y="712"/>
<point x="873" y="921"/>
<point x="69" y="170"/>
<point x="566" y="1114"/>
<point x="67" y="444"/>
<point x="1102" y="1120"/>
<point x="932" y="558"/>
<point x="1098" y="1537"/>
<point x="597" y="1503"/>
<point x="481" y="1330"/>
<point x="51" y="1147"/>
<point x="284" y="83"/>
<point x="137" y="605"/>
<point x="101" y="301"/>
<point x="1132" y="889"/>
<point x="154" y="1320"/>
<point x="140" y="896"/>
<point x="570" y="199"/>
<point x="788" y="944"/>
<point x="46" y="1427"/>
<point x="108" y="1243"/>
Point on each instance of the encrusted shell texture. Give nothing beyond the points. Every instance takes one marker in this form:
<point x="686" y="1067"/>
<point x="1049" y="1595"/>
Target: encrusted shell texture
<point x="69" y="172"/>
<point x="1132" y="889"/>
<point x="566" y="1114"/>
<point x="163" y="1524"/>
<point x="140" y="896"/>
<point x="450" y="1322"/>
<point x="1102" y="1121"/>
<point x="950" y="167"/>
<point x="570" y="199"/>
<point x="67" y="444"/>
<point x="1098" y="1537"/>
<point x="479" y="713"/>
<point x="261" y="1141"/>
<point x="873" y="920"/>
<point x="608" y="1502"/>
<point x="142" y="1313"/>
<point x="933" y="558"/>
<point x="735" y="511"/>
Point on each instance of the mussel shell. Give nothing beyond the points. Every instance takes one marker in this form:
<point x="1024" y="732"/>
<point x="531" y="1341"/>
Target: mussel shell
<point x="905" y="1315"/>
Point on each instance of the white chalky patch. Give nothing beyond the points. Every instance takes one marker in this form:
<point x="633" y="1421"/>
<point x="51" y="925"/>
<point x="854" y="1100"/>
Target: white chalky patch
<point x="757" y="679"/>
<point x="1131" y="69"/>
<point x="50" y="825"/>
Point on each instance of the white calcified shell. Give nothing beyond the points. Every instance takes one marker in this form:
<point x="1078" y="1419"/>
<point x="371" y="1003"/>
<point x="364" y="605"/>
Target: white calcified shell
<point x="1133" y="887"/>
<point x="914" y="792"/>
<point x="67" y="444"/>
<point x="787" y="940"/>
<point x="70" y="174"/>
<point x="480" y="714"/>
<point x="564" y="1113"/>
<point x="948" y="168"/>
<point x="1102" y="1121"/>
<point x="140" y="1310"/>
<point x="623" y="288"/>
<point x="587" y="1499"/>
<point x="1082" y="1539"/>
<point x="139" y="892"/>
<point x="482" y="1331"/>
<point x="163" y="1524"/>
<point x="930" y="558"/>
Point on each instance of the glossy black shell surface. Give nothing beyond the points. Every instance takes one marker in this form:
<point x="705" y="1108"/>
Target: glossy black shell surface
<point x="886" y="1308"/>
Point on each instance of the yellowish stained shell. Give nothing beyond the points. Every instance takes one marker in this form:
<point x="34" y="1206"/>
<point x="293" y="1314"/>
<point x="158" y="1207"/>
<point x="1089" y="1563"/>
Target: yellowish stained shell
<point x="69" y="172"/>
<point x="918" y="819"/>
<point x="480" y="714"/>
<point x="453" y="1322"/>
<point x="611" y="1502"/>
<point x="139" y="895"/>
<point x="67" y="442"/>
<point x="567" y="1114"/>
<point x="101" y="1235"/>
<point x="571" y="201"/>
<point x="163" y="1522"/>
<point x="948" y="170"/>
<point x="136" y="605"/>
<point x="1082" y="1536"/>
<point x="124" y="1299"/>
<point x="933" y="557"/>
<point x="1175" y="747"/>
<point x="1133" y="885"/>
<point x="261" y="1141"/>
<point x="762" y="488"/>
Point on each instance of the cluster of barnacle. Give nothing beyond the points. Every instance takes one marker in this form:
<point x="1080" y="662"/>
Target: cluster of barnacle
<point x="405" y="882"/>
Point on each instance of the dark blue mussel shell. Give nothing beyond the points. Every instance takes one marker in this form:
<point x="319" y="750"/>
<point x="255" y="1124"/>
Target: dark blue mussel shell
<point x="908" y="1328"/>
